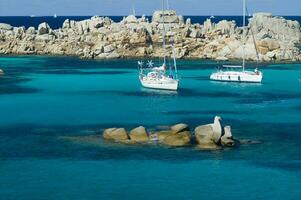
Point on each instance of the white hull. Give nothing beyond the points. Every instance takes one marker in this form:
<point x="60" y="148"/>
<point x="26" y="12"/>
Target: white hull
<point x="234" y="76"/>
<point x="167" y="84"/>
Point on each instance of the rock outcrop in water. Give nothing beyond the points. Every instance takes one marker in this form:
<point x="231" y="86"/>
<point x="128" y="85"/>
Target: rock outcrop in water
<point x="211" y="136"/>
<point x="100" y="37"/>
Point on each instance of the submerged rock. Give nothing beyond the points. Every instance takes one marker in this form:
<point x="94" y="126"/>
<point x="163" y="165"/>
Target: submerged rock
<point x="179" y="139"/>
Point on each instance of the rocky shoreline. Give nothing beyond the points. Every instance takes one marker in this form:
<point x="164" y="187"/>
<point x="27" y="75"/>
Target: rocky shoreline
<point x="277" y="39"/>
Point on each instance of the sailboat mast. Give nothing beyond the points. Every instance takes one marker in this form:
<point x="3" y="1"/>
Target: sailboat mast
<point x="133" y="10"/>
<point x="164" y="45"/>
<point x="167" y="4"/>
<point x="244" y="34"/>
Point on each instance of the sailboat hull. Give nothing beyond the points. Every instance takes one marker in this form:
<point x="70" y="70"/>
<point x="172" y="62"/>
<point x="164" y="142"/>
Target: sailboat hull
<point x="170" y="84"/>
<point x="233" y="76"/>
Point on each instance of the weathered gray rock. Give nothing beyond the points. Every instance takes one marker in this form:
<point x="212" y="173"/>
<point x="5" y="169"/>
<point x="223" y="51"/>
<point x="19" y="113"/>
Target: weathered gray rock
<point x="43" y="28"/>
<point x="108" y="49"/>
<point x="226" y="27"/>
<point x="4" y="26"/>
<point x="130" y="19"/>
<point x="31" y="30"/>
<point x="101" y="38"/>
<point x="167" y="16"/>
<point x="264" y="24"/>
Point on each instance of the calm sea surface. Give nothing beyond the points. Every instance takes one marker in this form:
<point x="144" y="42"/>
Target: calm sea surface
<point x="56" y="23"/>
<point x="45" y="98"/>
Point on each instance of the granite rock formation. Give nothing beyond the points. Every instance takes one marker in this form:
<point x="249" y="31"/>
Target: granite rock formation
<point x="101" y="38"/>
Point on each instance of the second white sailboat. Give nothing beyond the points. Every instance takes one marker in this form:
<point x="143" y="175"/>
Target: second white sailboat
<point x="238" y="73"/>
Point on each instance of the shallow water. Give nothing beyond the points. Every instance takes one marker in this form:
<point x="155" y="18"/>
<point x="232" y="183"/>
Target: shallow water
<point x="45" y="98"/>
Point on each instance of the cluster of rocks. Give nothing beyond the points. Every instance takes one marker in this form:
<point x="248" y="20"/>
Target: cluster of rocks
<point x="100" y="37"/>
<point x="210" y="136"/>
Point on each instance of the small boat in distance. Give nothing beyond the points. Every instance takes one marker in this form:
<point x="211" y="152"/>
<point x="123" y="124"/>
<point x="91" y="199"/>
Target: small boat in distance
<point x="238" y="73"/>
<point x="1" y="72"/>
<point x="156" y="77"/>
<point x="54" y="16"/>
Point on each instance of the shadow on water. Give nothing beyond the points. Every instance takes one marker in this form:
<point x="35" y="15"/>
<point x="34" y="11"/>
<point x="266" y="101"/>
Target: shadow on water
<point x="203" y="112"/>
<point x="11" y="85"/>
<point x="240" y="97"/>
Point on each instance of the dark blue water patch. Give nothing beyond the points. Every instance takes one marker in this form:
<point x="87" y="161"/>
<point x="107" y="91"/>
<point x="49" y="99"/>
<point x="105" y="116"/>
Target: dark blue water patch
<point x="265" y="97"/>
<point x="287" y="165"/>
<point x="10" y="84"/>
<point x="79" y="72"/>
<point x="202" y="112"/>
<point x="298" y="108"/>
<point x="288" y="67"/>
<point x="198" y="78"/>
<point x="44" y="142"/>
<point x="182" y="92"/>
<point x="15" y="89"/>
<point x="37" y="63"/>
<point x="9" y="79"/>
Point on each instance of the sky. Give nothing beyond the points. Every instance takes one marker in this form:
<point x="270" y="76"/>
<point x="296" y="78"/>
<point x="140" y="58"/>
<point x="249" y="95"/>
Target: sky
<point x="125" y="7"/>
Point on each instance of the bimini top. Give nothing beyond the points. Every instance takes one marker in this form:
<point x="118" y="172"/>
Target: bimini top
<point x="232" y="66"/>
<point x="162" y="68"/>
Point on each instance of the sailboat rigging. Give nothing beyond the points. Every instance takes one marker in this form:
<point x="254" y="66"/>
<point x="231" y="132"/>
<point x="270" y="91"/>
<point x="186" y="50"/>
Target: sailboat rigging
<point x="157" y="77"/>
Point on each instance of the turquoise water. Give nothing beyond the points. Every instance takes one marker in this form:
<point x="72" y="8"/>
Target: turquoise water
<point x="44" y="98"/>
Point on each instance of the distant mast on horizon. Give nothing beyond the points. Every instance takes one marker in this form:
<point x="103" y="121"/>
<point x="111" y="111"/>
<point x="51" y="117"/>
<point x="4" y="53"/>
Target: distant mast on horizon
<point x="55" y="16"/>
<point x="133" y="10"/>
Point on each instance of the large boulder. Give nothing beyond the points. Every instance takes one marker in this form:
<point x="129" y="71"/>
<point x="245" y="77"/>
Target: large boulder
<point x="266" y="25"/>
<point x="208" y="26"/>
<point x="161" y="135"/>
<point x="227" y="139"/>
<point x="179" y="128"/>
<point x="108" y="49"/>
<point x="226" y="27"/>
<point x="130" y="19"/>
<point x="43" y="28"/>
<point x="139" y="134"/>
<point x="204" y="137"/>
<point x="31" y="30"/>
<point x="115" y="134"/>
<point x="178" y="139"/>
<point x="166" y="16"/>
<point x="4" y="26"/>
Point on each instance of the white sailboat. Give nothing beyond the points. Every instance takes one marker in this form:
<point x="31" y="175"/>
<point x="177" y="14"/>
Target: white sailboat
<point x="54" y="16"/>
<point x="238" y="73"/>
<point x="157" y="77"/>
